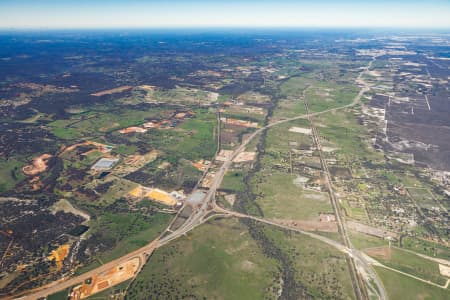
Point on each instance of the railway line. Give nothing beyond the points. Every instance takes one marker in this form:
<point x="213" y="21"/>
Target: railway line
<point x="199" y="216"/>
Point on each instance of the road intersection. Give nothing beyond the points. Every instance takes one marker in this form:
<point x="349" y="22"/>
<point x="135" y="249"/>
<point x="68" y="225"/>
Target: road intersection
<point x="203" y="213"/>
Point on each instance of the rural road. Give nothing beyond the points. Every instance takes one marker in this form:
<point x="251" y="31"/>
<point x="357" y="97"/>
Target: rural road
<point x="197" y="217"/>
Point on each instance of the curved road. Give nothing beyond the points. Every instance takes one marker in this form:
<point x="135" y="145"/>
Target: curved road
<point x="198" y="215"/>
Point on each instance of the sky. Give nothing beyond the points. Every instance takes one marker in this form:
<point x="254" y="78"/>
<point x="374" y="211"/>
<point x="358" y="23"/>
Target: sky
<point x="224" y="13"/>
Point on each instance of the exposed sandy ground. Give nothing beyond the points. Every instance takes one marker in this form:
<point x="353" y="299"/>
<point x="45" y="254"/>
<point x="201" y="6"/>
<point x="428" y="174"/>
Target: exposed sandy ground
<point x="300" y="130"/>
<point x="107" y="279"/>
<point x="38" y="165"/>
<point x="371" y="230"/>
<point x="119" y="89"/>
<point x="309" y="225"/>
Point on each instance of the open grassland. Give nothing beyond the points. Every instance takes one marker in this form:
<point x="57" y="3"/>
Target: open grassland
<point x="320" y="94"/>
<point x="325" y="95"/>
<point x="399" y="286"/>
<point x="280" y="198"/>
<point x="273" y="184"/>
<point x="363" y="241"/>
<point x="200" y="138"/>
<point x="410" y="263"/>
<point x="215" y="261"/>
<point x="320" y="268"/>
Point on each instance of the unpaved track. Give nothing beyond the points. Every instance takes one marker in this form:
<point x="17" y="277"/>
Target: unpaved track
<point x="198" y="215"/>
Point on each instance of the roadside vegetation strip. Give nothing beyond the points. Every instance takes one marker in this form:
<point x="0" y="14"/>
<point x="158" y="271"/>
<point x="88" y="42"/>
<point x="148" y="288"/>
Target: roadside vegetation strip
<point x="193" y="222"/>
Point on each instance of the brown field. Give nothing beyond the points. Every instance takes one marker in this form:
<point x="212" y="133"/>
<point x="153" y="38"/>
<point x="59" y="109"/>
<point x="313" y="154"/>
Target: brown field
<point x="245" y="157"/>
<point x="381" y="252"/>
<point x="107" y="279"/>
<point x="237" y="122"/>
<point x="224" y="155"/>
<point x="119" y="89"/>
<point x="134" y="162"/>
<point x="38" y="165"/>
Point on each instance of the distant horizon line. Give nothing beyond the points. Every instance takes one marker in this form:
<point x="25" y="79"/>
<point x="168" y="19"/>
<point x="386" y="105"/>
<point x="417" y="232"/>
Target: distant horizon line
<point x="215" y="27"/>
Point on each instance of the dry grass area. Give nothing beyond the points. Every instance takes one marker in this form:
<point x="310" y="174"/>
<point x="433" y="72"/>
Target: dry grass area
<point x="374" y="231"/>
<point x="380" y="252"/>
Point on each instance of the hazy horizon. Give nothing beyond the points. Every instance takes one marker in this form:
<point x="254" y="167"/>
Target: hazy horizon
<point x="138" y="14"/>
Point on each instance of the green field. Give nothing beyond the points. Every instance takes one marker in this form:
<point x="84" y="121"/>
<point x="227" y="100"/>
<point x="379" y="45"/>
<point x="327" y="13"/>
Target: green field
<point x="233" y="181"/>
<point x="319" y="94"/>
<point x="282" y="199"/>
<point x="399" y="286"/>
<point x="59" y="296"/>
<point x="195" y="139"/>
<point x="413" y="264"/>
<point x="215" y="261"/>
<point x="363" y="241"/>
<point x="278" y="137"/>
<point x="273" y="184"/>
<point x="10" y="173"/>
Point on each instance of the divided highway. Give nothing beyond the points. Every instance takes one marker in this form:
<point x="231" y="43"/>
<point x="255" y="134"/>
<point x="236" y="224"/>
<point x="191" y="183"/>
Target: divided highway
<point x="198" y="217"/>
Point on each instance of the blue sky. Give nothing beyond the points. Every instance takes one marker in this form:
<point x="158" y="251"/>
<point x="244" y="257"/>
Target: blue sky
<point x="221" y="13"/>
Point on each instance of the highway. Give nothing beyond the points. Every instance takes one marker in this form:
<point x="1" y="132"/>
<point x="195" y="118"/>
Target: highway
<point x="198" y="216"/>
